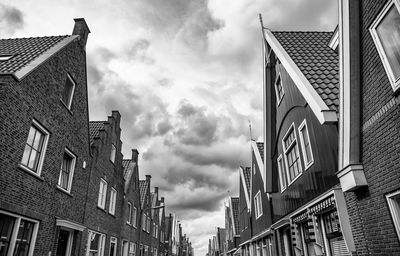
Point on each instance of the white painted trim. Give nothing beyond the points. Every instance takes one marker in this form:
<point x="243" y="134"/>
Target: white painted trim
<point x="232" y="218"/>
<point x="292" y="127"/>
<point x="71" y="172"/>
<point x="70" y="224"/>
<point x="312" y="202"/>
<point x="394" y="210"/>
<point x="241" y="171"/>
<point x="317" y="105"/>
<point x="258" y="205"/>
<point x="259" y="162"/>
<point x="114" y="240"/>
<point x="69" y="103"/>
<point x="100" y="202"/>
<point x="302" y="126"/>
<point x="20" y="74"/>
<point x="334" y="42"/>
<point x="280" y="159"/>
<point x="46" y="133"/>
<point x="395" y="83"/>
<point x="113" y="201"/>
<point x="344" y="219"/>
<point x="101" y="243"/>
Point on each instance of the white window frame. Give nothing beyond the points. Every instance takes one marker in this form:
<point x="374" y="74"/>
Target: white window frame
<point x="279" y="99"/>
<point x="113" y="153"/>
<point x="394" y="210"/>
<point x="134" y="217"/>
<point x="102" y="194"/>
<point x="124" y="242"/>
<point x="69" y="103"/>
<point x="308" y="164"/>
<point x="144" y="222"/>
<point x="15" y="230"/>
<point x="129" y="214"/>
<point x="113" y="201"/>
<point x="132" y="249"/>
<point x="395" y="83"/>
<point x="114" y="240"/>
<point x="285" y="151"/>
<point x="282" y="173"/>
<point x="46" y="133"/>
<point x="258" y="205"/>
<point x="101" y="244"/>
<point x="71" y="173"/>
<point x="148" y="224"/>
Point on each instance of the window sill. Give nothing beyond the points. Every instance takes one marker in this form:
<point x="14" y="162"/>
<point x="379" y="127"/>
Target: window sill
<point x="64" y="191"/>
<point x="69" y="110"/>
<point x="112" y="214"/>
<point x="103" y="209"/>
<point x="29" y="171"/>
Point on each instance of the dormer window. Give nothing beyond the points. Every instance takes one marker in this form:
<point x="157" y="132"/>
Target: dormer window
<point x="5" y="57"/>
<point x="386" y="34"/>
<point x="279" y="89"/>
<point x="68" y="92"/>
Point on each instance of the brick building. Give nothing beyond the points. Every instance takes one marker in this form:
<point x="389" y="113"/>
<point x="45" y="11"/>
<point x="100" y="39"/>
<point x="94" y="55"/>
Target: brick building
<point x="369" y="39"/>
<point x="45" y="151"/>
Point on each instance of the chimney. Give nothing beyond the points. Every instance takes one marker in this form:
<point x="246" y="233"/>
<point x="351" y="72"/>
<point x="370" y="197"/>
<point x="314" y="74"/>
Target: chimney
<point x="162" y="199"/>
<point x="135" y="155"/>
<point x="148" y="177"/>
<point x="156" y="190"/>
<point x="82" y="30"/>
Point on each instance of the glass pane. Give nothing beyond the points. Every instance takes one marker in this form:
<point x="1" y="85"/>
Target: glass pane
<point x="25" y="157"/>
<point x="6" y="227"/>
<point x="33" y="159"/>
<point x="94" y="243"/>
<point x="38" y="141"/>
<point x="31" y="135"/>
<point x="23" y="238"/>
<point x="388" y="31"/>
<point x="67" y="93"/>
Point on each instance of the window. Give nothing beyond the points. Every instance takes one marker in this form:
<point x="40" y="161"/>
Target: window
<point x="113" y="246"/>
<point x="112" y="155"/>
<point x="144" y="222"/>
<point x="258" y="205"/>
<point x="282" y="173"/>
<point x="134" y="215"/>
<point x="35" y="148"/>
<point x="386" y="35"/>
<point x="68" y="92"/>
<point x="132" y="249"/>
<point x="129" y="213"/>
<point x="155" y="251"/>
<point x="291" y="150"/>
<point x="146" y="250"/>
<point x="279" y="89"/>
<point x="148" y="224"/>
<point x="67" y="171"/>
<point x="306" y="145"/>
<point x="17" y="235"/>
<point x="125" y="248"/>
<point x="113" y="199"/>
<point x="102" y="194"/>
<point x="394" y="206"/>
<point x="95" y="245"/>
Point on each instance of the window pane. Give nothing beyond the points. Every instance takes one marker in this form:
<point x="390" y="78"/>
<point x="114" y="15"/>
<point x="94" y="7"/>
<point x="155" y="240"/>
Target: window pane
<point x="67" y="93"/>
<point x="31" y="135"/>
<point x="388" y="31"/>
<point x="25" y="157"/>
<point x="23" y="238"/>
<point x="34" y="157"/>
<point x="6" y="227"/>
<point x="38" y="141"/>
<point x="94" y="243"/>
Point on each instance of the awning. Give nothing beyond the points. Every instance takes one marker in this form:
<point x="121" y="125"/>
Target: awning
<point x="69" y="224"/>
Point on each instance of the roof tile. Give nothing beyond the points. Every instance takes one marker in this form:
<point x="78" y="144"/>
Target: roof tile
<point x="316" y="60"/>
<point x="94" y="129"/>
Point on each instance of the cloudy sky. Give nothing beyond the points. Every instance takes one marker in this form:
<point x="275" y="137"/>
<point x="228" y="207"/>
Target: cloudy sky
<point x="186" y="77"/>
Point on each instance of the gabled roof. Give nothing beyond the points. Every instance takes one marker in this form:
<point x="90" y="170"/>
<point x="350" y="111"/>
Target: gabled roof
<point x="319" y="63"/>
<point x="235" y="213"/>
<point x="143" y="184"/>
<point x="128" y="166"/>
<point x="260" y="146"/>
<point x="94" y="129"/>
<point x="245" y="176"/>
<point x="28" y="53"/>
<point x="312" y="65"/>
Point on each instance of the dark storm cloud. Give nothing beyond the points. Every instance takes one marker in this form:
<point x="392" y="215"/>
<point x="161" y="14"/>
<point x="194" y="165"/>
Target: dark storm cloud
<point x="197" y="127"/>
<point x="207" y="203"/>
<point x="163" y="127"/>
<point x="11" y="19"/>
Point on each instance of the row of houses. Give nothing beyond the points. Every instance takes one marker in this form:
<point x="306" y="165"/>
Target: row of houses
<point x="65" y="186"/>
<point x="325" y="180"/>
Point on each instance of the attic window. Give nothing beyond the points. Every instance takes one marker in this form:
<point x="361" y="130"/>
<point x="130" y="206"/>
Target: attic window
<point x="5" y="57"/>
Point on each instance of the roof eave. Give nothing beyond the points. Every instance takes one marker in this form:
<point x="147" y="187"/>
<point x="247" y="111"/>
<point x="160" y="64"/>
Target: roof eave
<point x="246" y="194"/>
<point x="25" y="70"/>
<point x="323" y="113"/>
<point x="259" y="162"/>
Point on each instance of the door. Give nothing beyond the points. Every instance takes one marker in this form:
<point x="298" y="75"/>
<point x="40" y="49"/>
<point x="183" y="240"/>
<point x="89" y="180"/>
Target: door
<point x="63" y="248"/>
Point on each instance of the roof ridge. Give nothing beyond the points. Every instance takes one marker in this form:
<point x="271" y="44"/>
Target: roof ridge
<point x="33" y="37"/>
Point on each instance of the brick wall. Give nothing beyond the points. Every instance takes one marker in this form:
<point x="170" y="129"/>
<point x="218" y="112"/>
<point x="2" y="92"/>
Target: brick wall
<point x="372" y="225"/>
<point x="37" y="96"/>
